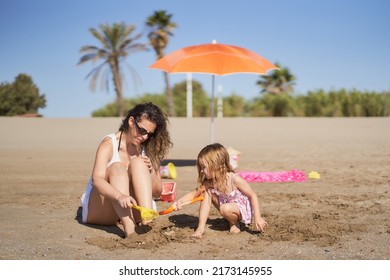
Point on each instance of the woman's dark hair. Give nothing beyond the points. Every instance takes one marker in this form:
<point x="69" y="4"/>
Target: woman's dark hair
<point x="156" y="146"/>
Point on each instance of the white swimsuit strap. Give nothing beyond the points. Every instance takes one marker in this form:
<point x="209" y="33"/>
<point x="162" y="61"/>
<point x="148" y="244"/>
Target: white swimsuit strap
<point x="114" y="143"/>
<point x="115" y="153"/>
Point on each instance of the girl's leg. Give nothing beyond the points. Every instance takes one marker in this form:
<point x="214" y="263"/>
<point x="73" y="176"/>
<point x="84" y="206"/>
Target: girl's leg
<point x="106" y="212"/>
<point x="215" y="201"/>
<point x="231" y="213"/>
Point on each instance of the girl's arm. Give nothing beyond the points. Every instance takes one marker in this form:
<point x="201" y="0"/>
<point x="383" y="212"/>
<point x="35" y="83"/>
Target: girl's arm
<point x="204" y="210"/>
<point x="177" y="205"/>
<point x="246" y="189"/>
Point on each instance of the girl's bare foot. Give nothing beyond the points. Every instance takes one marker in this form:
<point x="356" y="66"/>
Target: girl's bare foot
<point x="235" y="229"/>
<point x="198" y="234"/>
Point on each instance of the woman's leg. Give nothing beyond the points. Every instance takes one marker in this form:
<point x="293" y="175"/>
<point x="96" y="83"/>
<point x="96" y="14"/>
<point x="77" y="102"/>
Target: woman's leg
<point x="140" y="184"/>
<point x="106" y="212"/>
<point x="232" y="214"/>
<point x="156" y="184"/>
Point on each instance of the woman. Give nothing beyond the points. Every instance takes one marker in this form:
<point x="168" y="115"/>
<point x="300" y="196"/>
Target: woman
<point x="127" y="169"/>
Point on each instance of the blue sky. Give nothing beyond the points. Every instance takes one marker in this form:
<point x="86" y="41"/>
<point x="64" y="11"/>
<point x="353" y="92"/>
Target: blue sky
<point x="327" y="45"/>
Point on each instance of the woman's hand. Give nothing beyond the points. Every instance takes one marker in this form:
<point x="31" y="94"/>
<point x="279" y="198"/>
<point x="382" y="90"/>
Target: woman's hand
<point x="147" y="162"/>
<point x="125" y="201"/>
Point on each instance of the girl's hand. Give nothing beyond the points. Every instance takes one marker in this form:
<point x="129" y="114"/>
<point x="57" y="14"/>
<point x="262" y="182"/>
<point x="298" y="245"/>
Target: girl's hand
<point x="198" y="233"/>
<point x="177" y="205"/>
<point x="260" y="224"/>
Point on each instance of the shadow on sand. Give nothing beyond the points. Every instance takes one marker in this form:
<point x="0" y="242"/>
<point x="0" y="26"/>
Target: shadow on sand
<point x="179" y="162"/>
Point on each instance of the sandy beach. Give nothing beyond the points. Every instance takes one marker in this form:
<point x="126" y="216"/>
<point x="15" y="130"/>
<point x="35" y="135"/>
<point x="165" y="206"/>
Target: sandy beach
<point x="46" y="163"/>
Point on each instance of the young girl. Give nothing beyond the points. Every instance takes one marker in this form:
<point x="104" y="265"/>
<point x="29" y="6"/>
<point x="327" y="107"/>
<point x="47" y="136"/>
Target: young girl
<point x="229" y="193"/>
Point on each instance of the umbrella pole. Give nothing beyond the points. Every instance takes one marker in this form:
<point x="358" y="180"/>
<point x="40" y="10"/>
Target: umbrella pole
<point x="212" y="111"/>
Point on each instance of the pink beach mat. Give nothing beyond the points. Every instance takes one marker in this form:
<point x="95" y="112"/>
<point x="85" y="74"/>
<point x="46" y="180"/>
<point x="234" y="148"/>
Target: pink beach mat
<point x="280" y="176"/>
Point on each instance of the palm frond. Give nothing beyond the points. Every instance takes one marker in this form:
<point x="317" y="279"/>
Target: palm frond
<point x="89" y="49"/>
<point x="137" y="81"/>
<point x="136" y="48"/>
<point x="100" y="37"/>
<point x="94" y="74"/>
<point x="86" y="58"/>
<point x="117" y="44"/>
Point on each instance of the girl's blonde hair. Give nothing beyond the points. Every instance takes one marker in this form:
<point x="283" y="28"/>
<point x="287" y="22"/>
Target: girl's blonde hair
<point x="216" y="158"/>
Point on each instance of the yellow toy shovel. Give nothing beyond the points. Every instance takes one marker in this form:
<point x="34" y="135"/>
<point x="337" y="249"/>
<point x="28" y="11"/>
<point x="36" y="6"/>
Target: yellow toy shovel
<point x="146" y="213"/>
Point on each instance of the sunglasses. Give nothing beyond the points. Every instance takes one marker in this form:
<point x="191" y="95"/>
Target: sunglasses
<point x="141" y="130"/>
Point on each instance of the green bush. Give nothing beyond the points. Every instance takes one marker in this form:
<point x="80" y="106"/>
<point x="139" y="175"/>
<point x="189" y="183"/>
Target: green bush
<point x="342" y="103"/>
<point x="335" y="103"/>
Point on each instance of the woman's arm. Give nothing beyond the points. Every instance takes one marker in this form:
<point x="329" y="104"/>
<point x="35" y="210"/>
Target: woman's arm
<point x="154" y="175"/>
<point x="99" y="180"/>
<point x="156" y="183"/>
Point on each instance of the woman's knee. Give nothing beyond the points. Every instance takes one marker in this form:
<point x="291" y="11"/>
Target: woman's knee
<point x="136" y="162"/>
<point x="117" y="175"/>
<point x="116" y="169"/>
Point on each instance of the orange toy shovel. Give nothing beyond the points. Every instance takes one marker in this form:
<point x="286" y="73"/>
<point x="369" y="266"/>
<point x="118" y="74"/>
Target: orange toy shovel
<point x="171" y="209"/>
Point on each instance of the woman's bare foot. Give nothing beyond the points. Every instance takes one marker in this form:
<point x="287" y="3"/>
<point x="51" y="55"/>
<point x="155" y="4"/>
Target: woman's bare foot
<point x="128" y="227"/>
<point x="148" y="222"/>
<point x="235" y="229"/>
<point x="128" y="233"/>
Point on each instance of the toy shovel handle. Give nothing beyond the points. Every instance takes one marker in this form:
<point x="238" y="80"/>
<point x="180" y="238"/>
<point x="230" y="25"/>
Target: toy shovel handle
<point x="195" y="199"/>
<point x="198" y="198"/>
<point x="136" y="207"/>
<point x="167" y="211"/>
<point x="146" y="213"/>
<point x="171" y="209"/>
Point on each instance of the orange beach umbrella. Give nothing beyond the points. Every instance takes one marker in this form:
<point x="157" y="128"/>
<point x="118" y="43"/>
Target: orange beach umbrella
<point x="215" y="59"/>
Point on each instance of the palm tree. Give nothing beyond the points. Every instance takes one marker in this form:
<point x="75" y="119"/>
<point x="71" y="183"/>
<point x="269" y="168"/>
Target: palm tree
<point x="161" y="28"/>
<point x="116" y="45"/>
<point x="279" y="81"/>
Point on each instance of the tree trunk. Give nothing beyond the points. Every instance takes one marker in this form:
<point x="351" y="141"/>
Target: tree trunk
<point x="171" y="105"/>
<point x="118" y="88"/>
